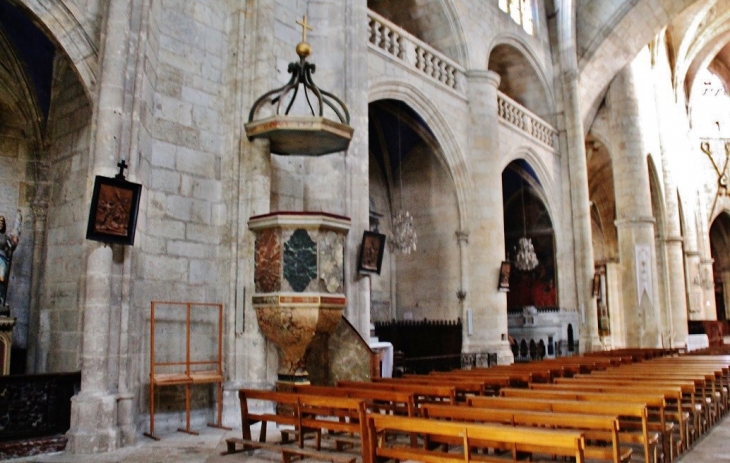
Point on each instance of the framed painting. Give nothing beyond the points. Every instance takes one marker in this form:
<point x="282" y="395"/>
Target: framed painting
<point x="504" y="270"/>
<point x="113" y="212"/>
<point x="371" y="252"/>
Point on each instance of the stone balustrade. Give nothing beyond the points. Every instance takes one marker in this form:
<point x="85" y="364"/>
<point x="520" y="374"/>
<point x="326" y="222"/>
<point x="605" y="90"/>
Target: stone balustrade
<point x="413" y="53"/>
<point x="522" y="118"/>
<point x="416" y="55"/>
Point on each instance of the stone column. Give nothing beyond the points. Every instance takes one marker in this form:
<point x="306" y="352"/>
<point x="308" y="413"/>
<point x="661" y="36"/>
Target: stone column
<point x="613" y="286"/>
<point x="94" y="410"/>
<point x="636" y="240"/>
<point x="488" y="305"/>
<point x="249" y="70"/>
<point x="677" y="290"/>
<point x="40" y="214"/>
<point x="583" y="265"/>
<point x="674" y="142"/>
<point x="708" y="285"/>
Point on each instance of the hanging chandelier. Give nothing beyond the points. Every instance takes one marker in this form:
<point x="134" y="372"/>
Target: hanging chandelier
<point x="525" y="259"/>
<point x="403" y="238"/>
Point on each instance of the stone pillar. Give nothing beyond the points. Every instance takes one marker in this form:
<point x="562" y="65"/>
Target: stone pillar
<point x="339" y="183"/>
<point x="583" y="266"/>
<point x="488" y="305"/>
<point x="708" y="285"/>
<point x="636" y="240"/>
<point x="94" y="410"/>
<point x="613" y="286"/>
<point x="674" y="142"/>
<point x="40" y="214"/>
<point x="677" y="290"/>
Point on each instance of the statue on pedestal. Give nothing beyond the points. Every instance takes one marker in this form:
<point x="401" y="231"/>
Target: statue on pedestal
<point x="8" y="242"/>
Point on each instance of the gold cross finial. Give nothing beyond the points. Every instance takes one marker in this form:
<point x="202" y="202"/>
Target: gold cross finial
<point x="305" y="26"/>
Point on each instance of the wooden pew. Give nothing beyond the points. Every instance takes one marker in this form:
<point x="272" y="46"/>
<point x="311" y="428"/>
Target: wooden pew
<point x="523" y="439"/>
<point x="674" y="391"/>
<point x="397" y="402"/>
<point x="654" y="401"/>
<point x="464" y="386"/>
<point x="306" y="413"/>
<point x="421" y="392"/>
<point x="704" y="383"/>
<point x="621" y="409"/>
<point x="644" y="394"/>
<point x="596" y="427"/>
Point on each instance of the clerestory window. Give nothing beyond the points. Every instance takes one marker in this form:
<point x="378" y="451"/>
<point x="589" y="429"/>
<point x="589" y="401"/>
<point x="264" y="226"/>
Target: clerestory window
<point x="522" y="12"/>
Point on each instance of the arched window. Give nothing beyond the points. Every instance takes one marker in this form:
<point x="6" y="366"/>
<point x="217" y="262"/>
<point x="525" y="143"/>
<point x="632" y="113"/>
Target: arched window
<point x="522" y="12"/>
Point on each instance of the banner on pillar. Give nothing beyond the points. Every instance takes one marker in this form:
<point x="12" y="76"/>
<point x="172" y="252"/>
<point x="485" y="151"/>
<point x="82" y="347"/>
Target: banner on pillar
<point x="643" y="273"/>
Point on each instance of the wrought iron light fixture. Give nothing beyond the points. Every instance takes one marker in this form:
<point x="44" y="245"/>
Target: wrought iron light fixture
<point x="525" y="259"/>
<point x="403" y="238"/>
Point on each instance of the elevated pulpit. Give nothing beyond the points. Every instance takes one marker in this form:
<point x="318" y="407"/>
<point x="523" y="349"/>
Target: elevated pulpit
<point x="299" y="282"/>
<point x="6" y="341"/>
<point x="299" y="270"/>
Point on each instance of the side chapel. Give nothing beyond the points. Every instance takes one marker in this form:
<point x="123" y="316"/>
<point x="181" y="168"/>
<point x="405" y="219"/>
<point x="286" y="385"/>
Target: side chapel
<point x="552" y="175"/>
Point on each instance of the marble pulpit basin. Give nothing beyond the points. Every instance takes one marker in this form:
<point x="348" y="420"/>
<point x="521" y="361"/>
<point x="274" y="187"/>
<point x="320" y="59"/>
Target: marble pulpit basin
<point x="299" y="282"/>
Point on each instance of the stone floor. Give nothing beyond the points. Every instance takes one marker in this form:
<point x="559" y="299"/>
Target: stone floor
<point x="207" y="448"/>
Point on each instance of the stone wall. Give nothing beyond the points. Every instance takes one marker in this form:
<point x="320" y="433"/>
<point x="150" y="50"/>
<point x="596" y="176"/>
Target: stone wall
<point x="69" y="127"/>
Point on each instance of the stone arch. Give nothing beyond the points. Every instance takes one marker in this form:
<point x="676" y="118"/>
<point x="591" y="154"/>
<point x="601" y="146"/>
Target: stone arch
<point x="602" y="196"/>
<point x="449" y="151"/>
<point x="527" y="213"/>
<point x="549" y="193"/>
<point x="17" y="96"/>
<point x="439" y="26"/>
<point x="609" y="42"/>
<point x="59" y="20"/>
<point x="509" y="55"/>
<point x="720" y="252"/>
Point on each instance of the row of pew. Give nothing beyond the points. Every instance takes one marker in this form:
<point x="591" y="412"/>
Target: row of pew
<point x="631" y="405"/>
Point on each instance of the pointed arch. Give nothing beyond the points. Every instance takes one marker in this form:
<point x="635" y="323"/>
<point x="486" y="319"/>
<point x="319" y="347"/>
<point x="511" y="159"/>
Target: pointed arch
<point x="449" y="152"/>
<point x="59" y="20"/>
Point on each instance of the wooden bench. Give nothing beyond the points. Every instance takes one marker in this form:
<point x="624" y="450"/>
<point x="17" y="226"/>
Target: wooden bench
<point x="677" y="392"/>
<point x="306" y="413"/>
<point x="707" y="391"/>
<point x="464" y="386"/>
<point x="471" y="435"/>
<point x="648" y="394"/>
<point x="654" y="401"/>
<point x="397" y="402"/>
<point x="421" y="392"/>
<point x="602" y="428"/>
<point x="622" y="410"/>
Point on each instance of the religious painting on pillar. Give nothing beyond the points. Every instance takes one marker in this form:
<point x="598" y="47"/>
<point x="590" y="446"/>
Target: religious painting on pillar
<point x="371" y="252"/>
<point x="113" y="212"/>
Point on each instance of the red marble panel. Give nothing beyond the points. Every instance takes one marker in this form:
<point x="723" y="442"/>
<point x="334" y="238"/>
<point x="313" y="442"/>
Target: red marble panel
<point x="267" y="273"/>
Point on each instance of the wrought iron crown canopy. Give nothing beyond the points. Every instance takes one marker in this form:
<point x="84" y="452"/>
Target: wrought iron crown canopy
<point x="309" y="135"/>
